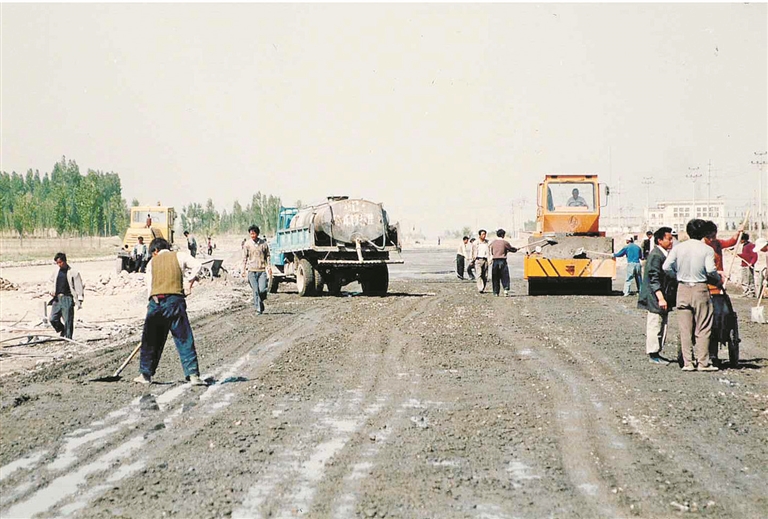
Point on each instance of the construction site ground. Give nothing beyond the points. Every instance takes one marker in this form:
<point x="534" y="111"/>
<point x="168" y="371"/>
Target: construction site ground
<point x="432" y="402"/>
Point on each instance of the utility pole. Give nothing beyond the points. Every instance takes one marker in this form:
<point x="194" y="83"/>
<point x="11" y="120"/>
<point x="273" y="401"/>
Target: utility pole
<point x="709" y="171"/>
<point x="694" y="175"/>
<point x="647" y="181"/>
<point x="760" y="162"/>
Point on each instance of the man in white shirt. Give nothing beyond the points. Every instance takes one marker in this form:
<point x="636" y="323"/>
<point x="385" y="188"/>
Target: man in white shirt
<point x="480" y="254"/>
<point x="461" y="257"/>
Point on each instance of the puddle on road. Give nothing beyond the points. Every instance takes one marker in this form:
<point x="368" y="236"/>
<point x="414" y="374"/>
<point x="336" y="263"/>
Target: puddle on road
<point x="68" y="457"/>
<point x="23" y="463"/>
<point x="69" y="484"/>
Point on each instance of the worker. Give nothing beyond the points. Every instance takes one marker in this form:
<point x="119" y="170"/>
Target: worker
<point x="140" y="256"/>
<point x="748" y="260"/>
<point x="461" y="257"/>
<point x="149" y="221"/>
<point x="761" y="245"/>
<point x="576" y="200"/>
<point x="648" y="244"/>
<point x="167" y="311"/>
<point x="499" y="271"/>
<point x="480" y="254"/>
<point x="719" y="245"/>
<point x="675" y="240"/>
<point x="692" y="263"/>
<point x="256" y="265"/>
<point x="657" y="295"/>
<point x="634" y="272"/>
<point x="191" y="243"/>
<point x="470" y="265"/>
<point x="67" y="291"/>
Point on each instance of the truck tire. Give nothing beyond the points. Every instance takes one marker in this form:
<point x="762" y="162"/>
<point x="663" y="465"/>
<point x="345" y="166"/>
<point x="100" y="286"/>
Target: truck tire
<point x="305" y="278"/>
<point x="375" y="282"/>
<point x="119" y="264"/>
<point x="272" y="284"/>
<point x="319" y="282"/>
<point x="334" y="283"/>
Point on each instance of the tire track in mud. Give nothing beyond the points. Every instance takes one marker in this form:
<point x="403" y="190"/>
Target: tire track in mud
<point x="101" y="435"/>
<point x="348" y="429"/>
<point x="646" y="466"/>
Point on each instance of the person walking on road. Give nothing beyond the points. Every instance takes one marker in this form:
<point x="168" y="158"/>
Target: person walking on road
<point x="461" y="257"/>
<point x="191" y="244"/>
<point x="167" y="311"/>
<point x="748" y="257"/>
<point x="470" y="264"/>
<point x="658" y="295"/>
<point x="499" y="271"/>
<point x="634" y="272"/>
<point x="692" y="263"/>
<point x="256" y="265"/>
<point x="67" y="291"/>
<point x="480" y="254"/>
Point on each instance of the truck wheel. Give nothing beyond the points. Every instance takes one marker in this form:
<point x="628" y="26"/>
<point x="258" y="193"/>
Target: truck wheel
<point x="375" y="282"/>
<point x="119" y="265"/>
<point x="305" y="278"/>
<point x="334" y="284"/>
<point x="319" y="281"/>
<point x="272" y="284"/>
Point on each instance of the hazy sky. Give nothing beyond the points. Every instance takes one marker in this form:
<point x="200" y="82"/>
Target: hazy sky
<point x="447" y="114"/>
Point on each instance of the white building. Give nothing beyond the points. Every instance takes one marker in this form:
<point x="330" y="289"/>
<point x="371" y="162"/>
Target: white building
<point x="678" y="213"/>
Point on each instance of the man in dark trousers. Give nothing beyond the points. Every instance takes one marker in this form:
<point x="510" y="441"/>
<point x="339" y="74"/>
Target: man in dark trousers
<point x="67" y="291"/>
<point x="648" y="243"/>
<point x="461" y="257"/>
<point x="167" y="311"/>
<point x="658" y="295"/>
<point x="499" y="271"/>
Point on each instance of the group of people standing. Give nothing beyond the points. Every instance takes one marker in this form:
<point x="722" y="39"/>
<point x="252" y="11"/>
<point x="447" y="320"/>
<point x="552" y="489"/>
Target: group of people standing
<point x="479" y="256"/>
<point x="689" y="277"/>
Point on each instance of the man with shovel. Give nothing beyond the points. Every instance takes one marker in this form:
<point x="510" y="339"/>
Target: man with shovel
<point x="167" y="311"/>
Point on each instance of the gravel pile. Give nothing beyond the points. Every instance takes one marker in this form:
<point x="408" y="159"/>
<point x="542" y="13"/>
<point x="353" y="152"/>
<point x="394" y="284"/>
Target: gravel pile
<point x="7" y="285"/>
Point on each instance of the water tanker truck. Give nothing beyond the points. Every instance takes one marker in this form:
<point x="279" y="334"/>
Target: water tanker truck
<point x="332" y="244"/>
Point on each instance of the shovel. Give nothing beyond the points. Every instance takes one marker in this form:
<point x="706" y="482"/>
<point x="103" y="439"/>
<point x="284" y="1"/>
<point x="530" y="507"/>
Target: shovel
<point x="546" y="241"/>
<point x="758" y="312"/>
<point x="116" y="376"/>
<point x="582" y="250"/>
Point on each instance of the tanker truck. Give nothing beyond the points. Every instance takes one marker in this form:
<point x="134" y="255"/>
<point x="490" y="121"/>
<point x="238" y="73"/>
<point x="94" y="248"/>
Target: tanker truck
<point x="332" y="244"/>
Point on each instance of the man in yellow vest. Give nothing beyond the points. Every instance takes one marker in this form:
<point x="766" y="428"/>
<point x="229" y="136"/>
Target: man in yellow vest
<point x="167" y="311"/>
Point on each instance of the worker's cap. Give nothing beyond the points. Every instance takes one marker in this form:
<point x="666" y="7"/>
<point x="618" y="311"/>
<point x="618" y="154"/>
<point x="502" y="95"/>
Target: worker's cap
<point x="760" y="243"/>
<point x="674" y="232"/>
<point x="629" y="237"/>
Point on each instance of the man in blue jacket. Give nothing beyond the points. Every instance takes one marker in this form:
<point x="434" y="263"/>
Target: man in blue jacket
<point x="634" y="272"/>
<point x="658" y="295"/>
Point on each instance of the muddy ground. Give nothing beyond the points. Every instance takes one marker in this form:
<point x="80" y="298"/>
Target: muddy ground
<point x="434" y="401"/>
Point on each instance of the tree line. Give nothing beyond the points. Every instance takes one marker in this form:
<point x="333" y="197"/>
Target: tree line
<point x="69" y="203"/>
<point x="262" y="211"/>
<point x="64" y="201"/>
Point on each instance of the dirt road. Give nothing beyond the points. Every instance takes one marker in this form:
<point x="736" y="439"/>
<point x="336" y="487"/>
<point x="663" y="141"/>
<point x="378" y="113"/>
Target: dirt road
<point x="434" y="401"/>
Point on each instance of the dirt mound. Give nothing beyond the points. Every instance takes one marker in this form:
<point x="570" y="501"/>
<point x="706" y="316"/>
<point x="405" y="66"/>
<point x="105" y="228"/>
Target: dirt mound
<point x="7" y="285"/>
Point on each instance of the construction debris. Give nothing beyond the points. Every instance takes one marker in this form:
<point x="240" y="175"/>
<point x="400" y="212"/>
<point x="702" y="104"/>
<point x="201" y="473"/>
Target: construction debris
<point x="7" y="285"/>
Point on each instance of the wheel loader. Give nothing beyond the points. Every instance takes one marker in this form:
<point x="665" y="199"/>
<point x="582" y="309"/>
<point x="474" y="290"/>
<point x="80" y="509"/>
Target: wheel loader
<point x="568" y="254"/>
<point x="149" y="222"/>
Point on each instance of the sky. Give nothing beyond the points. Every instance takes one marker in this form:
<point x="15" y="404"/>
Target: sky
<point x="447" y="114"/>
